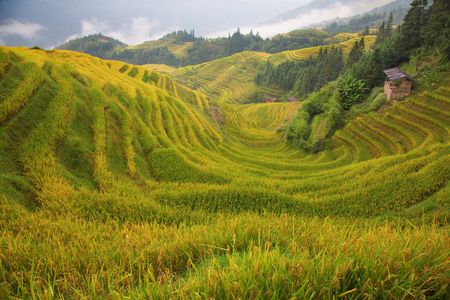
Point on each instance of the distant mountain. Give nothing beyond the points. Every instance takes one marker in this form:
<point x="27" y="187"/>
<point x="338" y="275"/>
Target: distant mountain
<point x="372" y="19"/>
<point x="357" y="6"/>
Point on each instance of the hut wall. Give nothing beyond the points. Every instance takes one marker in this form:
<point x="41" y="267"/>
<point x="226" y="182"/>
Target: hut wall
<point x="388" y="90"/>
<point x="394" y="90"/>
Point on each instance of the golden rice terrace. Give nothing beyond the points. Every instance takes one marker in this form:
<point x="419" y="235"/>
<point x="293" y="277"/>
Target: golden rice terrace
<point x="117" y="182"/>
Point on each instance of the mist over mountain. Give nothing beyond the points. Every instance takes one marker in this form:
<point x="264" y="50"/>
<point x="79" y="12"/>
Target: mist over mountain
<point x="354" y="6"/>
<point x="51" y="23"/>
<point x="315" y="12"/>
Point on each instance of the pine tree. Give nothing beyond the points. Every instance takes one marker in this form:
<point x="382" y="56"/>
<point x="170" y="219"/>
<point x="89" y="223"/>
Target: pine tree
<point x="411" y="32"/>
<point x="366" y="31"/>
<point x="437" y="30"/>
<point x="381" y="34"/>
<point x="374" y="71"/>
<point x="355" y="54"/>
<point x="388" y="32"/>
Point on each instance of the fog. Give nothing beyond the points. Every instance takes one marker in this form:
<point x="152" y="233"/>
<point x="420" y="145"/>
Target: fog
<point x="316" y="16"/>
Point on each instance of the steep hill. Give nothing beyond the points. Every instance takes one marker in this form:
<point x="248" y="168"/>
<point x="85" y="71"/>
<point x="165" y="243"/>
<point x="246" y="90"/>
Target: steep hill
<point x="118" y="182"/>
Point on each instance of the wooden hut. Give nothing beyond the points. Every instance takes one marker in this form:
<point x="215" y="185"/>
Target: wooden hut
<point x="293" y="99"/>
<point x="399" y="84"/>
<point x="271" y="99"/>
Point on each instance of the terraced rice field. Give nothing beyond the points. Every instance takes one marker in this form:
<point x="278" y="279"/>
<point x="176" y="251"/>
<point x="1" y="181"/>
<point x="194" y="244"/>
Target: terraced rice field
<point x="118" y="182"/>
<point x="165" y="69"/>
<point x="305" y="53"/>
<point x="179" y="50"/>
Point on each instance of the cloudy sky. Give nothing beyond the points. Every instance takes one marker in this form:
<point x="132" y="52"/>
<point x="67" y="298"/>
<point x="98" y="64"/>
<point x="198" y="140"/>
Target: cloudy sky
<point x="49" y="23"/>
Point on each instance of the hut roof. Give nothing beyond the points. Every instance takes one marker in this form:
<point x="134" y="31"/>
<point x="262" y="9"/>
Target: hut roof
<point x="293" y="99"/>
<point x="271" y="99"/>
<point x="395" y="74"/>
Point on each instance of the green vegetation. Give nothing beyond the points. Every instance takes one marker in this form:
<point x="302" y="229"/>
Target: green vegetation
<point x="97" y="45"/>
<point x="305" y="76"/>
<point x="363" y="70"/>
<point x="350" y="90"/>
<point x="117" y="182"/>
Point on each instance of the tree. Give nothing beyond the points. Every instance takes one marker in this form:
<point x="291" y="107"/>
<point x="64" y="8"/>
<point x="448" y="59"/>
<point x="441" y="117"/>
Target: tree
<point x="366" y="31"/>
<point x="437" y="30"/>
<point x="236" y="43"/>
<point x="380" y="34"/>
<point x="411" y="32"/>
<point x="356" y="53"/>
<point x="388" y="31"/>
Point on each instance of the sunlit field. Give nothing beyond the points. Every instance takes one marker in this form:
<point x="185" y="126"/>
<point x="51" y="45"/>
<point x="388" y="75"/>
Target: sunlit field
<point x="117" y="182"/>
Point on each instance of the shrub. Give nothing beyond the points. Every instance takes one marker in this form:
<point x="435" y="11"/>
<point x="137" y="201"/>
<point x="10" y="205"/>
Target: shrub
<point x="351" y="91"/>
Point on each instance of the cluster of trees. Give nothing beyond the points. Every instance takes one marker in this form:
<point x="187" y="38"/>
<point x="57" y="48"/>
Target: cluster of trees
<point x="203" y="50"/>
<point x="325" y="102"/>
<point x="97" y="45"/>
<point x="282" y="43"/>
<point x="305" y="76"/>
<point x="424" y="28"/>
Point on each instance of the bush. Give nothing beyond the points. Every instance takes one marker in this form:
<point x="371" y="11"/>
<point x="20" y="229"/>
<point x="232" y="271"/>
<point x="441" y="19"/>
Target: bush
<point x="351" y="91"/>
<point x="299" y="128"/>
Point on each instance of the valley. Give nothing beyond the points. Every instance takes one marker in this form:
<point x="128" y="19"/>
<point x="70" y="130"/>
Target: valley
<point x="122" y="181"/>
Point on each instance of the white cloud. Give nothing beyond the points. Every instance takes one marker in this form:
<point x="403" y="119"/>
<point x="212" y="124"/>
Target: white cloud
<point x="93" y="26"/>
<point x="139" y="30"/>
<point x="283" y="26"/>
<point x="24" y="30"/>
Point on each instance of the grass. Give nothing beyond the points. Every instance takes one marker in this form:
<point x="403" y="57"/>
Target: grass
<point x="117" y="182"/>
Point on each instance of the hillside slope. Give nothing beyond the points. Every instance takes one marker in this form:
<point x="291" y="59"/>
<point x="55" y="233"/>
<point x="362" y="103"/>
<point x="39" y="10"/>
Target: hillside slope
<point x="118" y="182"/>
